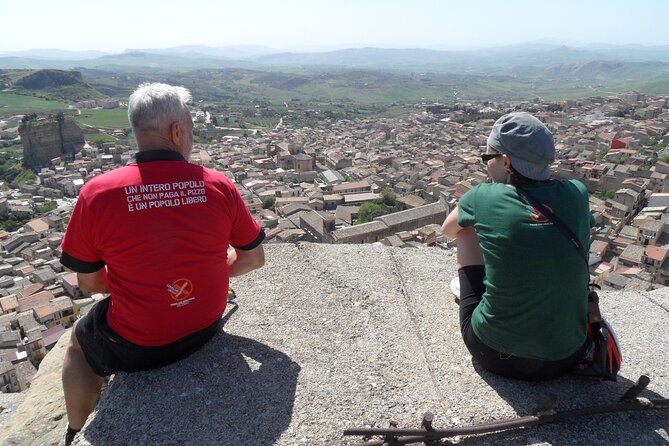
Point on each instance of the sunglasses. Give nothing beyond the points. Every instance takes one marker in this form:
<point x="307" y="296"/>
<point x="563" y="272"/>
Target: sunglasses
<point x="485" y="157"/>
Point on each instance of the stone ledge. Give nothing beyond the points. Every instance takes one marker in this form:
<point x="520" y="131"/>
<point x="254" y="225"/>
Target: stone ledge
<point x="328" y="337"/>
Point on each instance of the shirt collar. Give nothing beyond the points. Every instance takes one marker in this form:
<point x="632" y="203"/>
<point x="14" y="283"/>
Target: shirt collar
<point x="147" y="156"/>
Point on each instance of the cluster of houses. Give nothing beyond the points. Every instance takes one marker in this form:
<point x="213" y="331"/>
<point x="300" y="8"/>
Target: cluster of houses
<point x="310" y="184"/>
<point x="38" y="298"/>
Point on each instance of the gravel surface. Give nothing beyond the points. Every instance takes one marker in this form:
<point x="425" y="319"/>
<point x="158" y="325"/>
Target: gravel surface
<point x="8" y="404"/>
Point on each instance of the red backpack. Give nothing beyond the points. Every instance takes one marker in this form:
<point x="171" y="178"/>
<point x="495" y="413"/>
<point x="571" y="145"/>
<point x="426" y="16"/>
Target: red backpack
<point x="603" y="356"/>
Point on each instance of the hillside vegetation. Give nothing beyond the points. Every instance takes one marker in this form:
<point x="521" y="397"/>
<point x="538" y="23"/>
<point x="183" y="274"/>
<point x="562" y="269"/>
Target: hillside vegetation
<point x="49" y="84"/>
<point x="340" y="84"/>
<point x="42" y="79"/>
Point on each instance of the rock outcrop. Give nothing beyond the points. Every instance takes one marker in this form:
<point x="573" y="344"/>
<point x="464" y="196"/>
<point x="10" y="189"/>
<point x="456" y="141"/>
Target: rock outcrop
<point x="46" y="139"/>
<point x="328" y="337"/>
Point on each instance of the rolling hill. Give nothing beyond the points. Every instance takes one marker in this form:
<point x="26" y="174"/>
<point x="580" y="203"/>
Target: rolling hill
<point x="49" y="84"/>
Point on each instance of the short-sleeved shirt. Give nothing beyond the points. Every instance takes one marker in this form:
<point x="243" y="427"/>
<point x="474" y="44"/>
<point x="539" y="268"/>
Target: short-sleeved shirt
<point x="162" y="227"/>
<point x="535" y="303"/>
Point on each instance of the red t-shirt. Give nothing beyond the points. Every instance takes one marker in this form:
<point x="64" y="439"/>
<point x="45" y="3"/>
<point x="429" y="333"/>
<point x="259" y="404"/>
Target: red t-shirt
<point x="162" y="226"/>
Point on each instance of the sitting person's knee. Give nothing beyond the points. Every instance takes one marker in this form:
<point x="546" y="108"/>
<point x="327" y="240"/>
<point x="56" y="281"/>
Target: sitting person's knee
<point x="74" y="341"/>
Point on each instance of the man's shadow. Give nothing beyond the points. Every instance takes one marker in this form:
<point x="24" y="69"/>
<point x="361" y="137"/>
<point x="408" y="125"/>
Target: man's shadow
<point x="234" y="391"/>
<point x="571" y="392"/>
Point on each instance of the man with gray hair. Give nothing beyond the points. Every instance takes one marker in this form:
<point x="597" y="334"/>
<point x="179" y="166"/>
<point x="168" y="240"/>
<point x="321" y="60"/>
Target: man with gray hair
<point x="162" y="237"/>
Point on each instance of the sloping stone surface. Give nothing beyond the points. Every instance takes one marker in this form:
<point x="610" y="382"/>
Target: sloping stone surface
<point x="328" y="337"/>
<point x="9" y="402"/>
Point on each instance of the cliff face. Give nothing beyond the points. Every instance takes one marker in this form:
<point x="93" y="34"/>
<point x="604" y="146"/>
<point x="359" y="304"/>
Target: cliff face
<point x="46" y="139"/>
<point x="328" y="337"/>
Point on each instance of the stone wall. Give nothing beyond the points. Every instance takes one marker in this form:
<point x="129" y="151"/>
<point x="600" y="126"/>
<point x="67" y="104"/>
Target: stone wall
<point x="50" y="138"/>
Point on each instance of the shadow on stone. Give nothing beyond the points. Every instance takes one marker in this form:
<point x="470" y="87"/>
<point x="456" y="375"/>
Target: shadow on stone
<point x="233" y="391"/>
<point x="570" y="393"/>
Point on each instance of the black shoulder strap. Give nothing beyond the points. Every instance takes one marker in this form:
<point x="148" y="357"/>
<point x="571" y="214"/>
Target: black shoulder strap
<point x="556" y="221"/>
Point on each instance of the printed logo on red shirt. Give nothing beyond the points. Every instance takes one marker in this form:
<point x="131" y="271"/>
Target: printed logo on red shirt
<point x="180" y="289"/>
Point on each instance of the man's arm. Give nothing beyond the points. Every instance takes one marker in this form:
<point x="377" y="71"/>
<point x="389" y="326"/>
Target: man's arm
<point x="241" y="261"/>
<point x="93" y="282"/>
<point x="450" y="228"/>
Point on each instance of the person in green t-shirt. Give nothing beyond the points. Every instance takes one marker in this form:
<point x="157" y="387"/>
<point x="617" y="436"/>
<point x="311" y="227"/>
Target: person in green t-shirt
<point x="523" y="286"/>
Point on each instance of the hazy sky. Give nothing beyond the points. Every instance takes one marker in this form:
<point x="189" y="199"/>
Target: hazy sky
<point x="291" y="24"/>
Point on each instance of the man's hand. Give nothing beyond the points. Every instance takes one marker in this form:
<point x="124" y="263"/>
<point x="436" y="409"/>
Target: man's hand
<point x="93" y="282"/>
<point x="241" y="262"/>
<point x="232" y="256"/>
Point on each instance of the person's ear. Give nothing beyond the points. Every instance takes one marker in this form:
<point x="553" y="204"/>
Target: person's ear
<point x="175" y="133"/>
<point x="507" y="162"/>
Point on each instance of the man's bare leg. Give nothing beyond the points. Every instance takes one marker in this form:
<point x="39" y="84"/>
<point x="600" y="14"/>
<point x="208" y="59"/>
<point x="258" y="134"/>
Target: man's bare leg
<point x="469" y="250"/>
<point x="80" y="384"/>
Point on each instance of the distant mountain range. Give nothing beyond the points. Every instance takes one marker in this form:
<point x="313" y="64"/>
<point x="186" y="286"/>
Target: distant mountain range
<point x="354" y="75"/>
<point x="534" y="57"/>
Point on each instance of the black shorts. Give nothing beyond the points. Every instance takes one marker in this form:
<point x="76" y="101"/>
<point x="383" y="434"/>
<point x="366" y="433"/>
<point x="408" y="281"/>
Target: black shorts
<point x="471" y="294"/>
<point x="107" y="352"/>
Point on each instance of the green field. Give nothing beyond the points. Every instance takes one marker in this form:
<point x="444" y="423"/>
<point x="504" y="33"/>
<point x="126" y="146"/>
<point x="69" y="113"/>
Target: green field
<point x="93" y="137"/>
<point x="15" y="149"/>
<point x="12" y="104"/>
<point x="116" y="118"/>
<point x="263" y="123"/>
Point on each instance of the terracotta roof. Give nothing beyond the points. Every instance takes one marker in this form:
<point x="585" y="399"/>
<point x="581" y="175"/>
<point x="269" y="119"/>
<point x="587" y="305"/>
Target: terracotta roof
<point x="71" y="279"/>
<point x="25" y="270"/>
<point x="43" y="311"/>
<point x="598" y="247"/>
<point x="32" y="289"/>
<point x="349" y="186"/>
<point x="35" y="300"/>
<point x="9" y="303"/>
<point x="52" y="334"/>
<point x="38" y="225"/>
<point x="629" y="271"/>
<point x="655" y="252"/>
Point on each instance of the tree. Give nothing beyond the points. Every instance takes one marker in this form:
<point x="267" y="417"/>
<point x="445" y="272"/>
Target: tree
<point x="46" y="207"/>
<point x="26" y="120"/>
<point x="388" y="197"/>
<point x="99" y="141"/>
<point x="268" y="202"/>
<point x="26" y="176"/>
<point x="12" y="225"/>
<point x="605" y="194"/>
<point x="369" y="211"/>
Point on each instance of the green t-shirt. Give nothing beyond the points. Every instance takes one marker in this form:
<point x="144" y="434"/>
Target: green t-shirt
<point x="535" y="303"/>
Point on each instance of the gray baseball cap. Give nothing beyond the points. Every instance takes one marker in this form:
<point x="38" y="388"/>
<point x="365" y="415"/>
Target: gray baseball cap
<point x="527" y="142"/>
